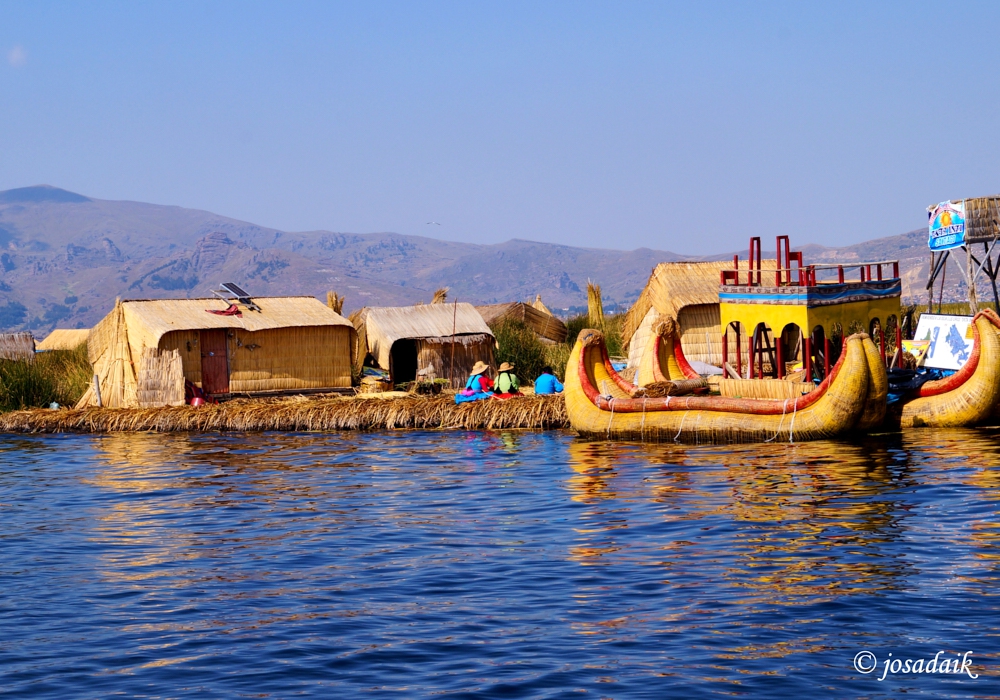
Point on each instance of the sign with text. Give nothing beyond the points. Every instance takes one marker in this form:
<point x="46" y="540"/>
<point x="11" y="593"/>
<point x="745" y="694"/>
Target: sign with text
<point x="946" y="225"/>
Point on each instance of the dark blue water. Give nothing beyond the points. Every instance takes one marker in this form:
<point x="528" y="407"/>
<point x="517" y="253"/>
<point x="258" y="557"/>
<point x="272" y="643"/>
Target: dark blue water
<point x="494" y="565"/>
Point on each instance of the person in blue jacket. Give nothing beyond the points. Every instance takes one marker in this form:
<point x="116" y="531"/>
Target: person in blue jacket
<point x="547" y="382"/>
<point x="478" y="387"/>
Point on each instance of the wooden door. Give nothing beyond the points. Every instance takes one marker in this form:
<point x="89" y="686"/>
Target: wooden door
<point x="214" y="362"/>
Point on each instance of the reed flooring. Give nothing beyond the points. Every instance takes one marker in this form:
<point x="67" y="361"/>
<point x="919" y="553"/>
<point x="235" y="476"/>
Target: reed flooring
<point x="302" y="414"/>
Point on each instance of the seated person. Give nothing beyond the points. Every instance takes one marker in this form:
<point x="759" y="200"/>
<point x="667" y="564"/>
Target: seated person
<point x="479" y="385"/>
<point x="507" y="384"/>
<point x="547" y="382"/>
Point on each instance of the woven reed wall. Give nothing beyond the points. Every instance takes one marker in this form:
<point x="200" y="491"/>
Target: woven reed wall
<point x="160" y="379"/>
<point x="186" y="345"/>
<point x="311" y="357"/>
<point x="109" y="351"/>
<point x="315" y="357"/>
<point x="468" y="351"/>
<point x="701" y="337"/>
<point x="17" y="346"/>
<point x="639" y="339"/>
<point x="763" y="388"/>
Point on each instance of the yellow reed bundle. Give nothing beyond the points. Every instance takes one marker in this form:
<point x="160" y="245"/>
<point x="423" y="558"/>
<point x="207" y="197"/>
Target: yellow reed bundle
<point x="322" y="414"/>
<point x="595" y="307"/>
<point x="335" y="302"/>
<point x="763" y="388"/>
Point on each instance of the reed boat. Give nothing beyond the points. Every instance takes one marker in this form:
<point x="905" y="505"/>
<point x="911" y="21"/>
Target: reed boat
<point x="664" y="361"/>
<point x="966" y="398"/>
<point x="601" y="404"/>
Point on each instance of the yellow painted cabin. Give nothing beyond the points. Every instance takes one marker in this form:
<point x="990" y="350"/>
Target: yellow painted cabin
<point x="792" y="313"/>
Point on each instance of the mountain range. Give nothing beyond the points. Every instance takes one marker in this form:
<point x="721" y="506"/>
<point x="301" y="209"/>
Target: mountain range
<point x="66" y="257"/>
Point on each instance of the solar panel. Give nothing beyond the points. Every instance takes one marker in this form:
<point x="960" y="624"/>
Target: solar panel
<point x="236" y="290"/>
<point x="231" y="289"/>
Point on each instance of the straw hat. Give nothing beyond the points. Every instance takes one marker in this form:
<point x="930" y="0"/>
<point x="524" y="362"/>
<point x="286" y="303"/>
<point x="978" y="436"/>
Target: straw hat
<point x="506" y="367"/>
<point x="480" y="367"/>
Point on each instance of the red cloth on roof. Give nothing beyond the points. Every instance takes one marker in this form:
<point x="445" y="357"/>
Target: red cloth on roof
<point x="233" y="310"/>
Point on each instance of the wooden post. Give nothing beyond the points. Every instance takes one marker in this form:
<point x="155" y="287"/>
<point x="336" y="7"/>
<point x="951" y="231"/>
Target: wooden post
<point x="826" y="356"/>
<point x="725" y="352"/>
<point x="899" y="338"/>
<point x="97" y="390"/>
<point x="752" y="356"/>
<point x="739" y="356"/>
<point x="779" y="356"/>
<point x="840" y="273"/>
<point x="930" y="287"/>
<point x="881" y="342"/>
<point x="807" y="357"/>
<point x="970" y="266"/>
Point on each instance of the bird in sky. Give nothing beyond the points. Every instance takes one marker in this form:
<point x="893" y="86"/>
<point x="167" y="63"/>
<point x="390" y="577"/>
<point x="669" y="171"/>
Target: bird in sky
<point x="432" y="222"/>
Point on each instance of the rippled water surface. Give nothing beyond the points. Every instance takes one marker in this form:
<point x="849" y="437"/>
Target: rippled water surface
<point x="494" y="565"/>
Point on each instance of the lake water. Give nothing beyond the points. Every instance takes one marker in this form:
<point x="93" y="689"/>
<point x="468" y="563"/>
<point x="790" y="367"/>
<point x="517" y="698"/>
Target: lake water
<point x="516" y="565"/>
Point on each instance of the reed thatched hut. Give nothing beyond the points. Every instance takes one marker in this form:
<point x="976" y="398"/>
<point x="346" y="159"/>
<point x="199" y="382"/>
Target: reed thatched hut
<point x="547" y="327"/>
<point x="143" y="351"/>
<point x="443" y="341"/>
<point x="64" y="339"/>
<point x="689" y="293"/>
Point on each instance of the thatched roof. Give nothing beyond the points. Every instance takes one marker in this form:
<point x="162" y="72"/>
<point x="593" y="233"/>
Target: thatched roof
<point x="687" y="292"/>
<point x="543" y="324"/>
<point x="17" y="346"/>
<point x="161" y="316"/>
<point x="674" y="285"/>
<point x="64" y="339"/>
<point x="380" y="326"/>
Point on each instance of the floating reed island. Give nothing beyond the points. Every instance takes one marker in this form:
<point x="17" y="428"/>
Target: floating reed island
<point x="302" y="414"/>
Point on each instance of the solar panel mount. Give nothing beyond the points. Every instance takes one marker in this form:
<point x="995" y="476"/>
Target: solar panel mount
<point x="231" y="290"/>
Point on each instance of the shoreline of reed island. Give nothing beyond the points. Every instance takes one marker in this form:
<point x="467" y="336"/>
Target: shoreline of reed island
<point x="302" y="414"/>
<point x="62" y="376"/>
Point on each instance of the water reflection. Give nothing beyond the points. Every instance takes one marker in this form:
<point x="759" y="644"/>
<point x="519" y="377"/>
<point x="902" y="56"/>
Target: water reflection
<point x="489" y="563"/>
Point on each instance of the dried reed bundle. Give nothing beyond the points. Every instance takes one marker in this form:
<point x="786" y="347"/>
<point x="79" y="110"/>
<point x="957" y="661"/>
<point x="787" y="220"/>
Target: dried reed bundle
<point x="679" y="387"/>
<point x="440" y="296"/>
<point x="595" y="307"/>
<point x="327" y="414"/>
<point x="335" y="302"/>
<point x="764" y="388"/>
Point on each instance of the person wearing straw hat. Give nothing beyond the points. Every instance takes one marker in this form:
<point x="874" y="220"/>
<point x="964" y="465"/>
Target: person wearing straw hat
<point x="479" y="385"/>
<point x="506" y="384"/>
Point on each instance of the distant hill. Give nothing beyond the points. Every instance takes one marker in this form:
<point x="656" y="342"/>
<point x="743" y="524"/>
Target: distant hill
<point x="65" y="257"/>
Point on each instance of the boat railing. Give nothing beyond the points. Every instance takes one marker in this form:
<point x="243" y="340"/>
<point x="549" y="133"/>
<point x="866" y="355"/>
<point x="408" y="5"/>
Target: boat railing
<point x="812" y="275"/>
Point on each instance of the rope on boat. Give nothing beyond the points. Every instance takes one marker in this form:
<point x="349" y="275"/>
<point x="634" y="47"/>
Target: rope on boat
<point x="791" y="428"/>
<point x="642" y="423"/>
<point x="611" y="403"/>
<point x="784" y="408"/>
<point x="681" y="426"/>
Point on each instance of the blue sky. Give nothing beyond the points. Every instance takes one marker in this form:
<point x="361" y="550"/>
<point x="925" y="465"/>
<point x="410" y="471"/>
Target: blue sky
<point x="686" y="127"/>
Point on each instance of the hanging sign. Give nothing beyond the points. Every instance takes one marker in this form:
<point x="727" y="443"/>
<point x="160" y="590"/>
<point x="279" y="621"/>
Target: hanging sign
<point x="949" y="340"/>
<point x="946" y="225"/>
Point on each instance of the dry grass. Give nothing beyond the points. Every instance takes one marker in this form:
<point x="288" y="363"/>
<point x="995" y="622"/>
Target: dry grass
<point x="301" y="414"/>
